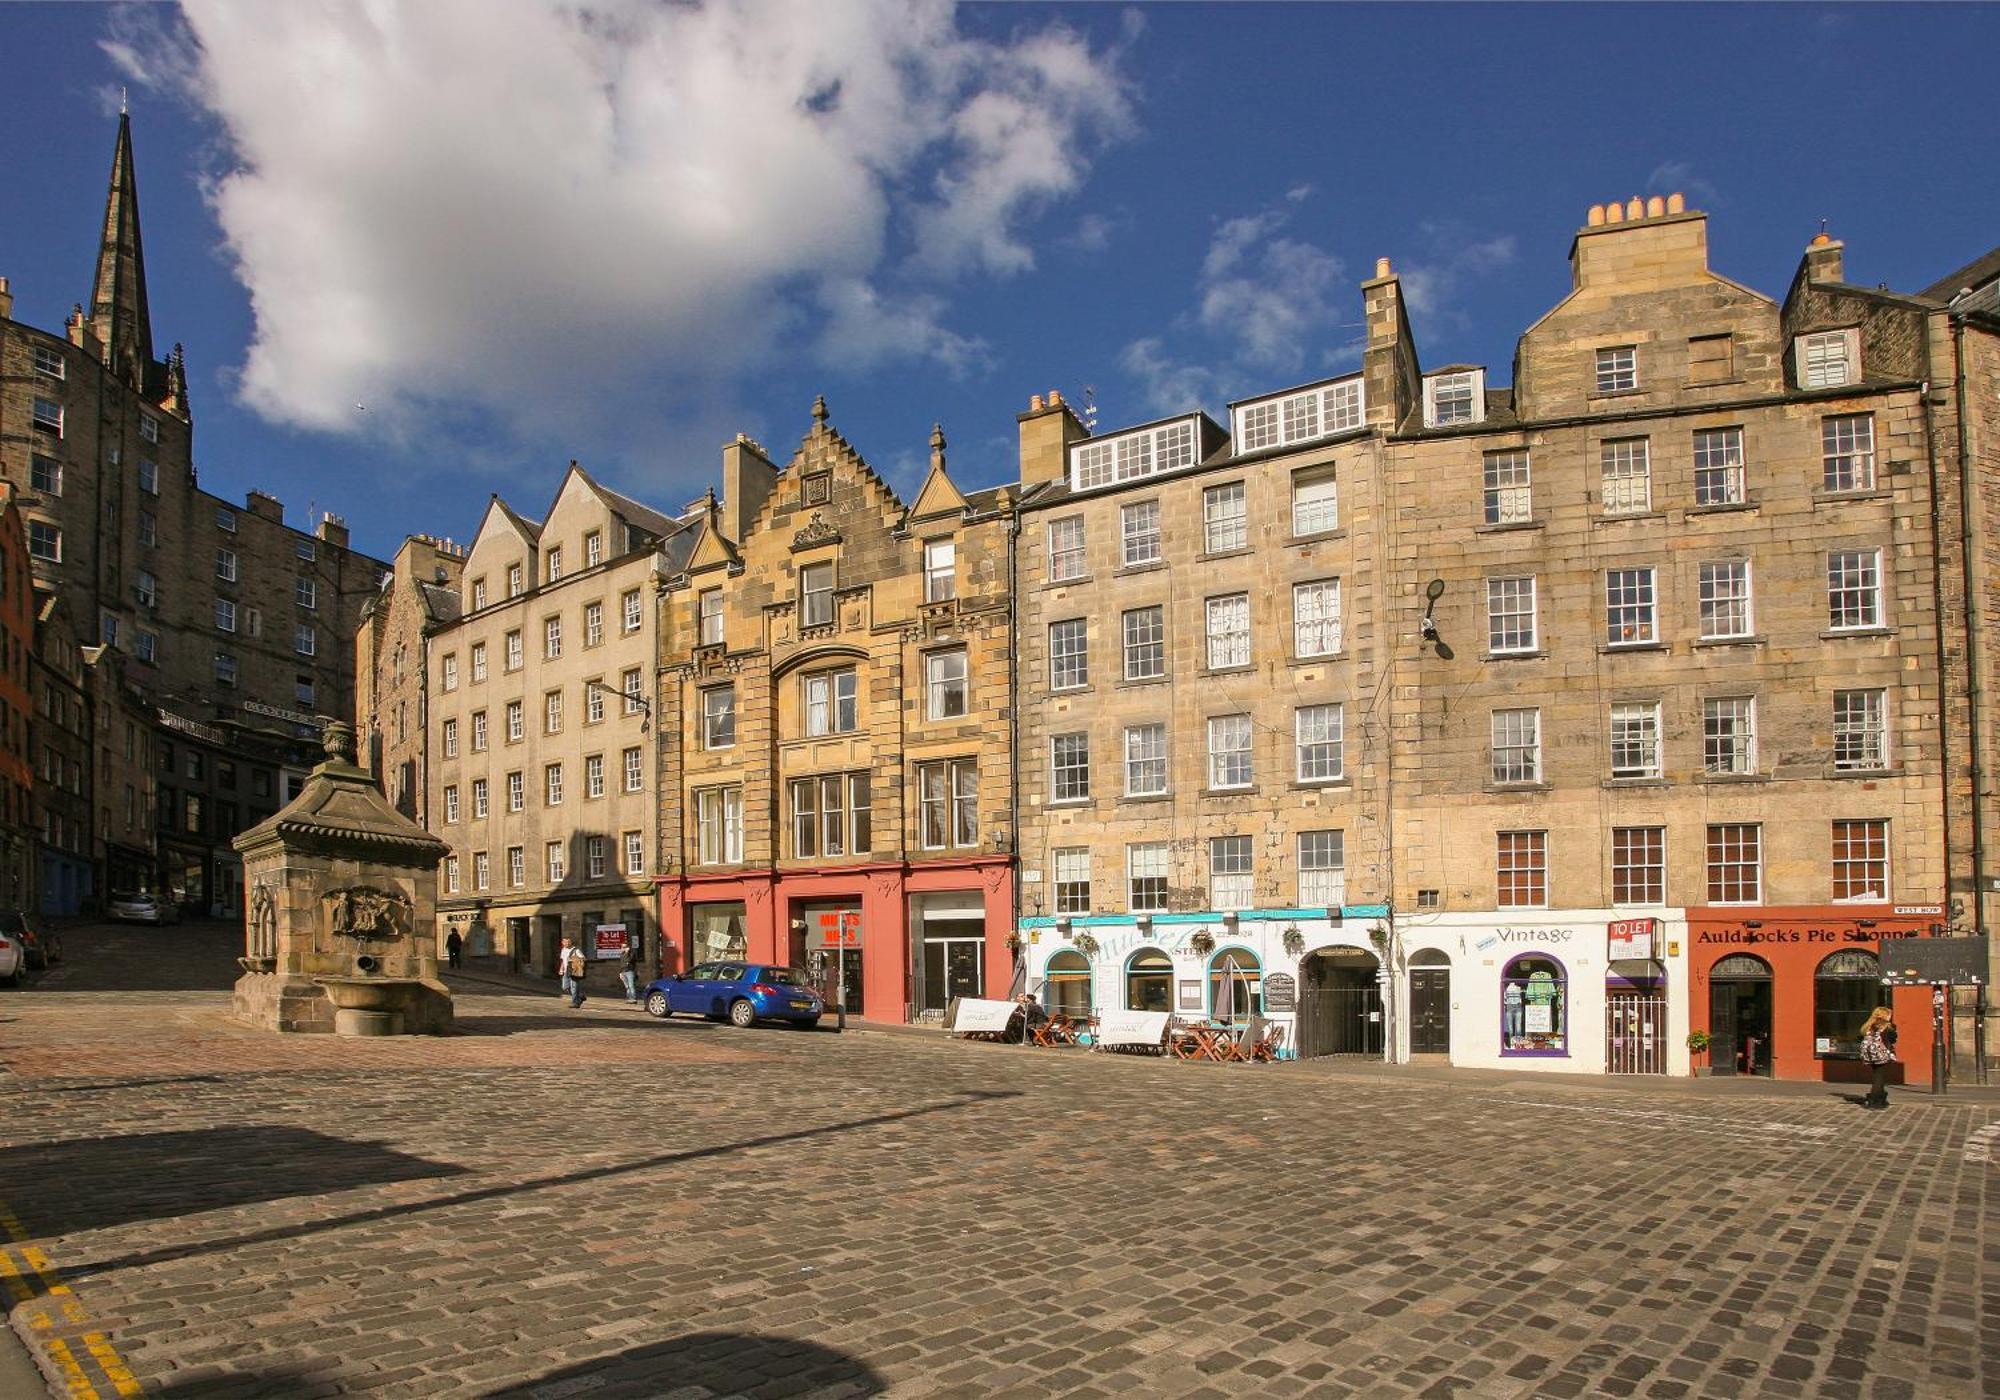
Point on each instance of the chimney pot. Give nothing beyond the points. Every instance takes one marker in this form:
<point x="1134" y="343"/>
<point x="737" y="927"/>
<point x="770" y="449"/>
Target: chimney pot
<point x="1820" y="240"/>
<point x="1656" y="206"/>
<point x="1055" y="398"/>
<point x="1381" y="267"/>
<point x="1595" y="216"/>
<point x="1676" y="204"/>
<point x="1034" y="403"/>
<point x="1614" y="213"/>
<point x="1634" y="209"/>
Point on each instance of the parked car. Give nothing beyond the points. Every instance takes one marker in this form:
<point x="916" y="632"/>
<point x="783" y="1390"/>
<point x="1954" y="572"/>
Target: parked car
<point x="743" y="993"/>
<point x="39" y="946"/>
<point x="13" y="960"/>
<point x="144" y="908"/>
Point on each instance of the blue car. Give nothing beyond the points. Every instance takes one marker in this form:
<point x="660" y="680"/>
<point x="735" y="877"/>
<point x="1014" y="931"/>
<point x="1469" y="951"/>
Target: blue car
<point x="741" y="993"/>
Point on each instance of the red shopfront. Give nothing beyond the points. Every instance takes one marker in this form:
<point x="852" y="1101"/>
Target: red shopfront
<point x="1782" y="991"/>
<point x="908" y="935"/>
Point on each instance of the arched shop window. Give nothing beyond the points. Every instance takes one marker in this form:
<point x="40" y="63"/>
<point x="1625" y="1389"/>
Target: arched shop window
<point x="1235" y="986"/>
<point x="1068" y="987"/>
<point x="1534" y="1007"/>
<point x="1149" y="981"/>
<point x="1846" y="986"/>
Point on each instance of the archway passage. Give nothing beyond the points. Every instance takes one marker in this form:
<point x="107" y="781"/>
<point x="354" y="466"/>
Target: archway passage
<point x="1430" y="1003"/>
<point x="1340" y="1003"/>
<point x="1739" y="1015"/>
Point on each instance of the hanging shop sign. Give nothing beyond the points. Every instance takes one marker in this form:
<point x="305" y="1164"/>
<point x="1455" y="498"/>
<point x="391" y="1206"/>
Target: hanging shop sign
<point x="1940" y="962"/>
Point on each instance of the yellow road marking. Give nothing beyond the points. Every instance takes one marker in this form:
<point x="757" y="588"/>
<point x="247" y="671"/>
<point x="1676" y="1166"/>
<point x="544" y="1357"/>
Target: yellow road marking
<point x="97" y="1344"/>
<point x="78" y="1384"/>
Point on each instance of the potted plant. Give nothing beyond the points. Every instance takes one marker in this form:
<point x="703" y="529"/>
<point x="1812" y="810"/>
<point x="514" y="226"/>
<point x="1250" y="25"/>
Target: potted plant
<point x="1698" y="1043"/>
<point x="1203" y="942"/>
<point x="1295" y="942"/>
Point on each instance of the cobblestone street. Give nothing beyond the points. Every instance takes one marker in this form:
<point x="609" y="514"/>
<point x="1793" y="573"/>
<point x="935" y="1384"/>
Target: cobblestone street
<point x="559" y="1203"/>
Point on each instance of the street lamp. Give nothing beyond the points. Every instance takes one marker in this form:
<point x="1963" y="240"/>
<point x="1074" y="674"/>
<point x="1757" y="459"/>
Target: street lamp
<point x="644" y="705"/>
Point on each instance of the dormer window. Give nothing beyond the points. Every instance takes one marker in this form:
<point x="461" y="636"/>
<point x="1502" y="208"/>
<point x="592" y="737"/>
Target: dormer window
<point x="1455" y="397"/>
<point x="554" y="569"/>
<point x="1298" y="416"/>
<point x="1829" y="359"/>
<point x="1131" y="455"/>
<point x="1617" y="368"/>
<point x="593" y="549"/>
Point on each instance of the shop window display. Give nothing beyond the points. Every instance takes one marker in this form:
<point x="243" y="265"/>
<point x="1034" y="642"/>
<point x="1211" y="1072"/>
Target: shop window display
<point x="1235" y="986"/>
<point x="1534" y="1007"/>
<point x="1846" y="986"/>
<point x="1149" y="981"/>
<point x="1068" y="989"/>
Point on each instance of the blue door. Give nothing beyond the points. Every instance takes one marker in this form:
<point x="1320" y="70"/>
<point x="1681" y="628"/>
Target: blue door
<point x="723" y="989"/>
<point x="685" y="992"/>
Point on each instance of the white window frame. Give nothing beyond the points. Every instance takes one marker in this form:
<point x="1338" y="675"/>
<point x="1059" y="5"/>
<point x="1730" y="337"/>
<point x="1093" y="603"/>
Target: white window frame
<point x="1228" y="631"/>
<point x="1847" y="452"/>
<point x="1069" y="557"/>
<point x="831" y="701"/>
<point x="718" y="717"/>
<point x="1828" y="359"/>
<point x="816" y="587"/>
<point x="1507" y="480"/>
<point x="1861" y="730"/>
<point x="517" y="791"/>
<point x="1516" y="746"/>
<point x="517" y="721"/>
<point x="1454" y="397"/>
<point x="1322" y="869"/>
<point x="1300" y="416"/>
<point x="1141" y="452"/>
<point x="593" y="624"/>
<point x="940" y="570"/>
<point x="719" y="825"/>
<point x="1145" y="757"/>
<point x="635" y="853"/>
<point x="947" y="673"/>
<point x="1139" y="533"/>
<point x="225" y="564"/>
<point x="517" y="867"/>
<point x="1854" y="590"/>
<point x="1319" y="739"/>
<point x="1149" y="626"/>
<point x="1718" y="466"/>
<point x="1070" y="866"/>
<point x="1317" y="624"/>
<point x="1150" y="861"/>
<point x="1625" y="467"/>
<point x="1635" y="741"/>
<point x="552" y="785"/>
<point x="632" y="611"/>
<point x="634" y="765"/>
<point x="1225" y="518"/>
<point x="593" y="775"/>
<point x="1505" y="633"/>
<point x="1315" y="502"/>
<point x="1727" y="607"/>
<point x="1232" y="873"/>
<point x="1231" y="759"/>
<point x="708" y="616"/>
<point x="1069" y="767"/>
<point x="555" y="861"/>
<point x="1631" y="606"/>
<point x="1069" y="653"/>
<point x="1617" y="368"/>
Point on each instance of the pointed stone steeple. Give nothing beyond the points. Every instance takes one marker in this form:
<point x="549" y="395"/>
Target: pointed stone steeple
<point x="118" y="317"/>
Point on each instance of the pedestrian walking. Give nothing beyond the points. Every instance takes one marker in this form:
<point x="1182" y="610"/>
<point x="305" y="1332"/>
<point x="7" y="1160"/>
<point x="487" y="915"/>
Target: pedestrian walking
<point x="628" y="971"/>
<point x="454" y="947"/>
<point x="1878" y="1052"/>
<point x="562" y="968"/>
<point x="577" y="967"/>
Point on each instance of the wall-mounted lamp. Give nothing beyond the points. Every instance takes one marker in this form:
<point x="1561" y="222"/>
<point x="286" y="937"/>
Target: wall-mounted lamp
<point x="798" y="926"/>
<point x="1062" y="927"/>
<point x="1864" y="923"/>
<point x="1230" y="920"/>
<point x="1753" y="923"/>
<point x="1144" y="921"/>
<point x="1427" y="625"/>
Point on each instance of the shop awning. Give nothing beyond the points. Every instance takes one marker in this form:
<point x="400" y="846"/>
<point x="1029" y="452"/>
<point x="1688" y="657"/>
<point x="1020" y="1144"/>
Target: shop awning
<point x="1635" y="970"/>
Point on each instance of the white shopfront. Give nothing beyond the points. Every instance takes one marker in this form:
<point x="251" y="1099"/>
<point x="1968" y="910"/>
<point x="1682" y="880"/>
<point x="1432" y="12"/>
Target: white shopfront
<point x="1580" y="991"/>
<point x="1287" y="965"/>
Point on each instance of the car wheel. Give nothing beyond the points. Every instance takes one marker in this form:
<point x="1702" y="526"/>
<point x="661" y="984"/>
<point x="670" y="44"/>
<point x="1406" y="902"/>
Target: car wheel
<point x="656" y="1005"/>
<point x="742" y="1014"/>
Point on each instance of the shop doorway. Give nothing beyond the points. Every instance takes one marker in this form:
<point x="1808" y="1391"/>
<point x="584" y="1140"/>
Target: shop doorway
<point x="827" y="942"/>
<point x="1430" y="1003"/>
<point x="1340" y="1004"/>
<point x="1739" y="1015"/>
<point x="951" y="951"/>
<point x="548" y="943"/>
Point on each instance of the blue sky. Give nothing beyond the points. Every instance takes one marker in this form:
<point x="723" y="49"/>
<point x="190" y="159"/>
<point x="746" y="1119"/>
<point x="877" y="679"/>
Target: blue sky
<point x="425" y="257"/>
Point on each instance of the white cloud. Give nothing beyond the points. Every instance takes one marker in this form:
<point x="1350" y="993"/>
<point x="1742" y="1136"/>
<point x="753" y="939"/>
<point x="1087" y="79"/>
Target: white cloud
<point x="1679" y="176"/>
<point x="537" y="208"/>
<point x="1265" y="304"/>
<point x="1453" y="255"/>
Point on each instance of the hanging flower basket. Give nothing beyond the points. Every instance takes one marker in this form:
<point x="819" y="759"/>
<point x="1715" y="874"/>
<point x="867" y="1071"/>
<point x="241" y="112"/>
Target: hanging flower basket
<point x="1086" y="945"/>
<point x="1378" y="934"/>
<point x="1295" y="942"/>
<point x="1014" y="940"/>
<point x="1203" y="942"/>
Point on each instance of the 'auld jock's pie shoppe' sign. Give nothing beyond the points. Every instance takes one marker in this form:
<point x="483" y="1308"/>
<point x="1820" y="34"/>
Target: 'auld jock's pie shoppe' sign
<point x="1806" y="933"/>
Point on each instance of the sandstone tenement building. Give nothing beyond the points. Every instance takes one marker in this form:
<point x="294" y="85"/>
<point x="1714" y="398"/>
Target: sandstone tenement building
<point x="835" y="693"/>
<point x="392" y="665"/>
<point x="236" y="623"/>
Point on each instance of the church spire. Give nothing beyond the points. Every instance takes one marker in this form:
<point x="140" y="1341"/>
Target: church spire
<point x="118" y="314"/>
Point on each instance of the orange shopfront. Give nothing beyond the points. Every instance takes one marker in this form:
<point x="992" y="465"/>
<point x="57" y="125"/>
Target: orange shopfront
<point x="907" y="937"/>
<point x="1782" y="991"/>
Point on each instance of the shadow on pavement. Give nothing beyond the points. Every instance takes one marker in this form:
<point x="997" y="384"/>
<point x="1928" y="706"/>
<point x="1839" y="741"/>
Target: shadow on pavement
<point x="59" y="1188"/>
<point x="724" y="1363"/>
<point x="111" y="1084"/>
<point x="564" y="1019"/>
<point x="962" y="1099"/>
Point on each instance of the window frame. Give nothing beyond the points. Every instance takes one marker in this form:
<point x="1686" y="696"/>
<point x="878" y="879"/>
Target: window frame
<point x="1326" y="622"/>
<point x="939" y="684"/>
<point x="1225" y="517"/>
<point x="1068" y="549"/>
<point x="1155" y="648"/>
<point x="1331" y="743"/>
<point x="1521" y="869"/>
<point x="1231" y="752"/>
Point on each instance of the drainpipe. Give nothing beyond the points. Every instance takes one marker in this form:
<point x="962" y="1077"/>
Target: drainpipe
<point x="1937" y="611"/>
<point x="1974" y="690"/>
<point x="1014" y="717"/>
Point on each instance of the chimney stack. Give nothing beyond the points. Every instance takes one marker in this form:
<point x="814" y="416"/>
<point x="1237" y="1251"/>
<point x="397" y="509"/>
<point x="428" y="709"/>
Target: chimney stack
<point x="1825" y="259"/>
<point x="1047" y="430"/>
<point x="6" y="301"/>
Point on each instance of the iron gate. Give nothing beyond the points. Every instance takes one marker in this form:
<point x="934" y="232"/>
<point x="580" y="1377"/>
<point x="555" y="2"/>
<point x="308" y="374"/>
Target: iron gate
<point x="1340" y="1021"/>
<point x="1635" y="1035"/>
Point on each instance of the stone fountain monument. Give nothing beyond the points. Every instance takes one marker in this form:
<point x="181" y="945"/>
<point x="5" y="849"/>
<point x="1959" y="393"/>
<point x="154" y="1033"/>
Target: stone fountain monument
<point x="341" y="893"/>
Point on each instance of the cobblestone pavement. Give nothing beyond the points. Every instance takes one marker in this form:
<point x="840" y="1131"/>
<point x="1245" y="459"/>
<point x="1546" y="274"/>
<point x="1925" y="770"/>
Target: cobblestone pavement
<point x="568" y="1203"/>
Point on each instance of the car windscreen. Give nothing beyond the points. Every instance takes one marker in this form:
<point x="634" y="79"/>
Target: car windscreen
<point x="784" y="977"/>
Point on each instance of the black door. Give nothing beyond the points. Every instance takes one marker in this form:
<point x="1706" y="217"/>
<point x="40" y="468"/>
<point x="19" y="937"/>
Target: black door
<point x="1430" y="1010"/>
<point x="1739" y="1025"/>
